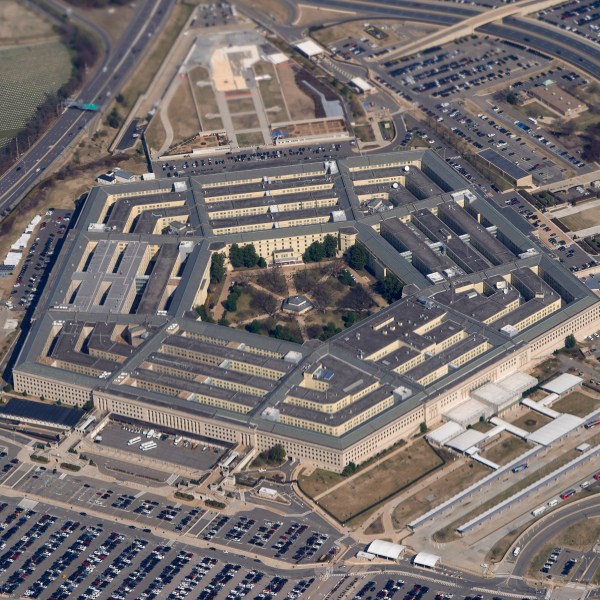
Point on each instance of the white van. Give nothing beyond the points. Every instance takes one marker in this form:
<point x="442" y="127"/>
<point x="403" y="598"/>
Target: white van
<point x="516" y="551"/>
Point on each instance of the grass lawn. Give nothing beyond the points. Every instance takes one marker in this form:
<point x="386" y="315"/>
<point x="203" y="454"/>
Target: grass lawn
<point x="364" y="133"/>
<point x="319" y="481"/>
<point x="531" y="421"/>
<point x="376" y="527"/>
<point x="395" y="473"/>
<point x="182" y="113"/>
<point x="582" y="219"/>
<point x="502" y="546"/>
<point x="248" y="121"/>
<point x="535" y="110"/>
<point x="581" y="536"/>
<point x="155" y="134"/>
<point x="507" y="448"/>
<point x="238" y="105"/>
<point x="482" y="426"/>
<point x="439" y="491"/>
<point x="250" y="138"/>
<point x="387" y="130"/>
<point x="577" y="403"/>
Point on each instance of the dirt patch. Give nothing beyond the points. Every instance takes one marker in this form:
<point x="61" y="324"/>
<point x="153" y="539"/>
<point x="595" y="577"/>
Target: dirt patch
<point x="438" y="491"/>
<point x="577" y="403"/>
<point x="376" y="527"/>
<point x="113" y="20"/>
<point x="583" y="219"/>
<point x="274" y="9"/>
<point x="309" y="15"/>
<point x="155" y="134"/>
<point x="182" y="112"/>
<point x="300" y="105"/>
<point x="376" y="484"/>
<point x="19" y="24"/>
<point x="507" y="448"/>
<point x="531" y="421"/>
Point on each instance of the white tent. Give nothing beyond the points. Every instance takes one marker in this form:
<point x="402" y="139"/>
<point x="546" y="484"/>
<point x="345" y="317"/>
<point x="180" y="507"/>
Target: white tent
<point x="386" y="549"/>
<point x="561" y="384"/>
<point x="444" y="433"/>
<point x="310" y="48"/>
<point x="424" y="559"/>
<point x="555" y="430"/>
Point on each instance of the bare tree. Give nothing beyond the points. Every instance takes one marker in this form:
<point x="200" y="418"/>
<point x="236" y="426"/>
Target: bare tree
<point x="264" y="302"/>
<point x="321" y="298"/>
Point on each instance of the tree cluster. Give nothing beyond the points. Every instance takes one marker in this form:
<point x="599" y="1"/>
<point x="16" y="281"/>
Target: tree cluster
<point x="243" y="256"/>
<point x="317" y="251"/>
<point x="230" y="303"/>
<point x="217" y="267"/>
<point x="357" y="257"/>
<point x="264" y="302"/>
<point x="390" y="287"/>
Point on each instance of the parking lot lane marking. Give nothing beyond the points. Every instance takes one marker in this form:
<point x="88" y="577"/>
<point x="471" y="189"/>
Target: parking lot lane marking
<point x="214" y="516"/>
<point x="20" y="478"/>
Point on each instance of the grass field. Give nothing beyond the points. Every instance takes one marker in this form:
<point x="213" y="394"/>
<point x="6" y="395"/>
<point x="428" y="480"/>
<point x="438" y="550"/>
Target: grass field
<point x="240" y="105"/>
<point x="206" y="100"/>
<point x="270" y="91"/>
<point x="507" y="448"/>
<point x="437" y="492"/>
<point x="28" y="73"/>
<point x="582" y="219"/>
<point x="250" y="138"/>
<point x="395" y="473"/>
<point x="155" y="134"/>
<point x="531" y="421"/>
<point x="535" y="110"/>
<point x="319" y="481"/>
<point x="182" y="112"/>
<point x="249" y="121"/>
<point x="577" y="403"/>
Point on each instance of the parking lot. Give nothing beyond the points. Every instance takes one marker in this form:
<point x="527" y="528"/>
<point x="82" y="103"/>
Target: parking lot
<point x="187" y="453"/>
<point x="296" y="540"/>
<point x="47" y="553"/>
<point x="246" y="160"/>
<point x="40" y="257"/>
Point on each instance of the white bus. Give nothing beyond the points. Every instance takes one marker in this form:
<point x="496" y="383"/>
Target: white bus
<point x="539" y="511"/>
<point x="134" y="440"/>
<point x="148" y="446"/>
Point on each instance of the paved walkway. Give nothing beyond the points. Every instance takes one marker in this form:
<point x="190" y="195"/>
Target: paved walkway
<point x="572" y="210"/>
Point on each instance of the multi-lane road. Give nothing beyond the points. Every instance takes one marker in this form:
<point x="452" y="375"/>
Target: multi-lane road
<point x="110" y="74"/>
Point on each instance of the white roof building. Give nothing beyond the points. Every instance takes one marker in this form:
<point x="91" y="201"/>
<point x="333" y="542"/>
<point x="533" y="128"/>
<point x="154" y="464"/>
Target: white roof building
<point x="386" y="549"/>
<point x="277" y="58"/>
<point x="13" y="259"/>
<point x="310" y="48"/>
<point x="468" y="412"/>
<point x="444" y="433"/>
<point x="362" y="85"/>
<point x="424" y="559"/>
<point x="465" y="441"/>
<point x="562" y="384"/>
<point x="555" y="430"/>
<point x="503" y="393"/>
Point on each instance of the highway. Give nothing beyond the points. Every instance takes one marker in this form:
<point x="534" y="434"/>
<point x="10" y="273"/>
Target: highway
<point x="551" y="41"/>
<point x="533" y="541"/>
<point x="109" y="76"/>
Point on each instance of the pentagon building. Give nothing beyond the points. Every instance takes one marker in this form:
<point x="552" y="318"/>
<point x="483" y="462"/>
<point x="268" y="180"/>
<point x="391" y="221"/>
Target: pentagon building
<point x="117" y="323"/>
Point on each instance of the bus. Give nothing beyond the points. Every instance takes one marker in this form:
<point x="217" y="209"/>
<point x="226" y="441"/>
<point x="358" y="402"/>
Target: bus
<point x="539" y="511"/>
<point x="134" y="440"/>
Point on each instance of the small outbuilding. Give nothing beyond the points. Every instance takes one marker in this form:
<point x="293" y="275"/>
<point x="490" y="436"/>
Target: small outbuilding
<point x="385" y="549"/>
<point x="297" y="305"/>
<point x="424" y="559"/>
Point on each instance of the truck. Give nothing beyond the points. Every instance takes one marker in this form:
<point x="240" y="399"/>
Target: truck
<point x="134" y="440"/>
<point x="177" y="440"/>
<point x="534" y="121"/>
<point x="539" y="511"/>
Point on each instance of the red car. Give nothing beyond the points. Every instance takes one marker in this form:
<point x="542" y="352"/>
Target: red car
<point x="567" y="494"/>
<point x="597" y="476"/>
